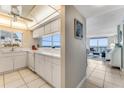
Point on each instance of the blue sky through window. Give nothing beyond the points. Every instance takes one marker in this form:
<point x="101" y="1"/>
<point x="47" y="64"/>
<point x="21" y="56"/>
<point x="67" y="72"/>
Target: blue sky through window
<point x="101" y="42"/>
<point x="51" y="40"/>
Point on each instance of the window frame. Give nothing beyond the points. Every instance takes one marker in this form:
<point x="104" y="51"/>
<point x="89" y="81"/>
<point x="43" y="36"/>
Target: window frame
<point x="97" y="39"/>
<point x="11" y="38"/>
<point x="52" y="41"/>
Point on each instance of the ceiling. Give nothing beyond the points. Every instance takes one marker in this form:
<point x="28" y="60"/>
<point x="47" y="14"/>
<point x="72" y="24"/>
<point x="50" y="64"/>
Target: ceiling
<point x="38" y="13"/>
<point x="102" y="20"/>
<point x="96" y="10"/>
<point x="26" y="9"/>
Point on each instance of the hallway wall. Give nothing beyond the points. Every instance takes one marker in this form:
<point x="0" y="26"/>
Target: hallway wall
<point x="75" y="49"/>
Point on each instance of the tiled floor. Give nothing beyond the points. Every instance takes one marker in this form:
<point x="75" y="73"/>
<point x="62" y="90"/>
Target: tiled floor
<point x="22" y="79"/>
<point x="102" y="75"/>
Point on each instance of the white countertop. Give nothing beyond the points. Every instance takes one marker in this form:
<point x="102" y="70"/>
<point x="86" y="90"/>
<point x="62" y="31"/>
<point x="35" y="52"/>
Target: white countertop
<point x="43" y="51"/>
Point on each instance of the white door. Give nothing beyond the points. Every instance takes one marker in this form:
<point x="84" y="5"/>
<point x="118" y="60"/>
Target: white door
<point x="48" y="69"/>
<point x="6" y="64"/>
<point x="56" y="72"/>
<point x="20" y="61"/>
<point x="31" y="61"/>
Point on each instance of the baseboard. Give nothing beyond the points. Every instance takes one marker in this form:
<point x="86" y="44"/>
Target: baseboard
<point x="81" y="83"/>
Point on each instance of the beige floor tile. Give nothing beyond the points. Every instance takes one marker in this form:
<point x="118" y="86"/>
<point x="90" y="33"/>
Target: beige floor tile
<point x="112" y="70"/>
<point x="98" y="74"/>
<point x="13" y="80"/>
<point x="28" y="76"/>
<point x="22" y="86"/>
<point x="111" y="85"/>
<point x="46" y="86"/>
<point x="14" y="84"/>
<point x="96" y="81"/>
<point x="12" y="74"/>
<point x="113" y="76"/>
<point x="88" y="84"/>
<point x="36" y="83"/>
<point x="1" y="81"/>
<point x="114" y="79"/>
<point x="99" y="67"/>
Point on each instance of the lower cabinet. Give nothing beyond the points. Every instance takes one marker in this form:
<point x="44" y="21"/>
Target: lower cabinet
<point x="38" y="63"/>
<point x="31" y="61"/>
<point x="12" y="61"/>
<point x="6" y="64"/>
<point x="49" y="68"/>
<point x="20" y="60"/>
<point x="56" y="73"/>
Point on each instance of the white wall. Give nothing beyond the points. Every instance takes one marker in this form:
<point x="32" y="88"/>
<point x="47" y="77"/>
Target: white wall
<point x="75" y="50"/>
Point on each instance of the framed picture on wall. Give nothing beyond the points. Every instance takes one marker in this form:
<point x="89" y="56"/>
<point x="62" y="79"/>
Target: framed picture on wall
<point x="78" y="29"/>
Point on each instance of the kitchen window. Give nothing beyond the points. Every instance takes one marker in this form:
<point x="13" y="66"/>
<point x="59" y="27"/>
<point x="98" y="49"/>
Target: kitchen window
<point x="52" y="40"/>
<point x="10" y="39"/>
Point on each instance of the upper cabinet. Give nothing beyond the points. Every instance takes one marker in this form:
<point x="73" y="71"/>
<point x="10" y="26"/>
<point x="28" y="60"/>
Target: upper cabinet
<point x="47" y="28"/>
<point x="38" y="32"/>
<point x="54" y="26"/>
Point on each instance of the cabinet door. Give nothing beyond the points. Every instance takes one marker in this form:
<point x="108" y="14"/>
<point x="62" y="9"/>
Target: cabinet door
<point x="55" y="26"/>
<point x="37" y="64"/>
<point x="41" y="31"/>
<point x="6" y="64"/>
<point x="42" y="66"/>
<point x="48" y="28"/>
<point x="48" y="69"/>
<point x="56" y="73"/>
<point x="35" y="34"/>
<point x="31" y="61"/>
<point x="20" y="61"/>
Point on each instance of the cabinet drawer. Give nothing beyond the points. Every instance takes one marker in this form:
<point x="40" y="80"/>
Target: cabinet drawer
<point x="6" y="54"/>
<point x="19" y="53"/>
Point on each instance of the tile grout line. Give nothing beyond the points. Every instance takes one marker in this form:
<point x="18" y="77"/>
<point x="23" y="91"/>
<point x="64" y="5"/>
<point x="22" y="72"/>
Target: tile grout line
<point x="104" y="79"/>
<point x="23" y="79"/>
<point x="4" y="80"/>
<point x="91" y="72"/>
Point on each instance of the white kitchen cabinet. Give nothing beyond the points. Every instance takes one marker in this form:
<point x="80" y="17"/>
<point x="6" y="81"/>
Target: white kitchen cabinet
<point x="20" y="60"/>
<point x="38" y="32"/>
<point x="42" y="66"/>
<point x="6" y="63"/>
<point x="55" y="26"/>
<point x="47" y="28"/>
<point x="48" y="68"/>
<point x="37" y="63"/>
<point x="41" y="31"/>
<point x="35" y="34"/>
<point x="56" y="72"/>
<point x="31" y="61"/>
